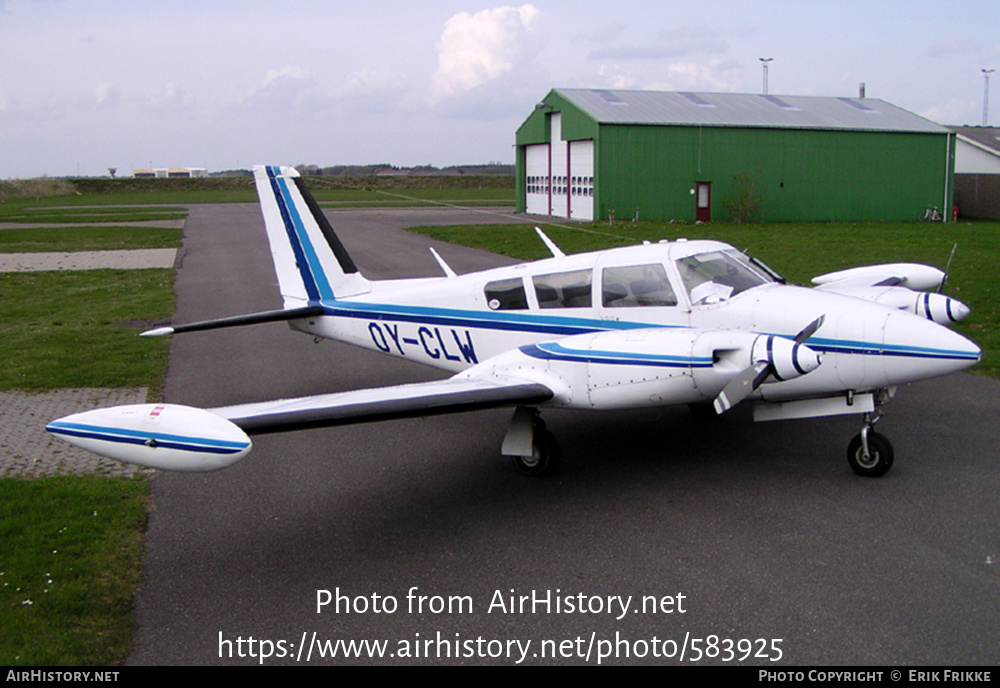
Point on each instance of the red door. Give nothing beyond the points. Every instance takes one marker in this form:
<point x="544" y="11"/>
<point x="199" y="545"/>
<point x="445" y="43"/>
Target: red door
<point x="703" y="194"/>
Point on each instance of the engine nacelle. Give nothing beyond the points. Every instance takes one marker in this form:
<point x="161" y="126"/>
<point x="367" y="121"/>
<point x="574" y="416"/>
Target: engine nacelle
<point x="942" y="309"/>
<point x="910" y="275"/>
<point x="165" y="436"/>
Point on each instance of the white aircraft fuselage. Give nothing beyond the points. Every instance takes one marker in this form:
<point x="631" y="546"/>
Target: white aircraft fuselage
<point x="447" y="323"/>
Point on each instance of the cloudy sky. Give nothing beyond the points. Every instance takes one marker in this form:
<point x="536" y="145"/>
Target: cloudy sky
<point x="91" y="84"/>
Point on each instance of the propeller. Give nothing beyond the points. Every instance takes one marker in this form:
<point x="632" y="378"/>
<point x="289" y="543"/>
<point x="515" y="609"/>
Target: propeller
<point x="796" y="359"/>
<point x="947" y="269"/>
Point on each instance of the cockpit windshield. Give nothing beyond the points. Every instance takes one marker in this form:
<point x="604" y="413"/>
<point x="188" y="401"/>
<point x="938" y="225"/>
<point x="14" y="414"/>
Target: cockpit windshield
<point x="719" y="275"/>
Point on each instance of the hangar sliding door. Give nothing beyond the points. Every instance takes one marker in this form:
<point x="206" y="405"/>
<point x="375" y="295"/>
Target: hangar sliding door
<point x="581" y="180"/>
<point x="559" y="176"/>
<point x="536" y="179"/>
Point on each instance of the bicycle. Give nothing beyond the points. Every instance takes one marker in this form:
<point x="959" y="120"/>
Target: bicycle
<point x="932" y="214"/>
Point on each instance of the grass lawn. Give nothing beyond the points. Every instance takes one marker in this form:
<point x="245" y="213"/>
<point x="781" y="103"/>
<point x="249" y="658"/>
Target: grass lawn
<point x="80" y="329"/>
<point x="69" y="566"/>
<point x="89" y="238"/>
<point x="799" y="252"/>
<point x="75" y="199"/>
<point x="411" y="197"/>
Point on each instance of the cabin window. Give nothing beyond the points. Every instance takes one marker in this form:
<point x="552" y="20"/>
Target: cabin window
<point x="564" y="289"/>
<point x="637" y="285"/>
<point x="719" y="275"/>
<point x="506" y="295"/>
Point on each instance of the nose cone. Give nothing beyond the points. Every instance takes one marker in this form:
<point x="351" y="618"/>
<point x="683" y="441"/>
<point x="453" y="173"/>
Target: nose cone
<point x="940" y="308"/>
<point x="806" y="360"/>
<point x="789" y="359"/>
<point x="956" y="310"/>
<point x="916" y="349"/>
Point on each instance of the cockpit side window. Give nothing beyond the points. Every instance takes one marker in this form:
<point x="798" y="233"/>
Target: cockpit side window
<point x="718" y="275"/>
<point x="506" y="295"/>
<point x="636" y="286"/>
<point x="564" y="289"/>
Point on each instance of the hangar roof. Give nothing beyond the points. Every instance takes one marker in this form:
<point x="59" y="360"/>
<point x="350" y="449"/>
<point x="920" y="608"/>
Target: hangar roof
<point x="986" y="137"/>
<point x="745" y="110"/>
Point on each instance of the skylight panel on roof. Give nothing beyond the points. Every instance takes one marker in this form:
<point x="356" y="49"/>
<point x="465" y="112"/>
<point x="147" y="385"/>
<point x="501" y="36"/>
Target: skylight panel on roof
<point x="859" y="106"/>
<point x="611" y="97"/>
<point x="774" y="100"/>
<point x="697" y="100"/>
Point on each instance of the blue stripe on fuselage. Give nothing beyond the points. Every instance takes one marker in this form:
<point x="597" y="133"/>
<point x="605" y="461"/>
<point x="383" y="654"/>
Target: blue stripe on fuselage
<point x="834" y="346"/>
<point x="555" y="351"/>
<point x="490" y="320"/>
<point x="533" y="323"/>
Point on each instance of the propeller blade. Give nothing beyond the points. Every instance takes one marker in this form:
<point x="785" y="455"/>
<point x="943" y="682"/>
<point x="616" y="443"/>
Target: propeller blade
<point x="741" y="386"/>
<point x="809" y="330"/>
<point x="947" y="269"/>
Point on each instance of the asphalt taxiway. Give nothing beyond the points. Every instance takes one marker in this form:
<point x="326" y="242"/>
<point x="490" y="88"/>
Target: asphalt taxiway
<point x="772" y="541"/>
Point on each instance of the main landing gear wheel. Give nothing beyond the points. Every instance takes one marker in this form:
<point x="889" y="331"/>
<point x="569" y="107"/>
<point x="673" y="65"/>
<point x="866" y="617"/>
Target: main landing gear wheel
<point x="873" y="462"/>
<point x="544" y="459"/>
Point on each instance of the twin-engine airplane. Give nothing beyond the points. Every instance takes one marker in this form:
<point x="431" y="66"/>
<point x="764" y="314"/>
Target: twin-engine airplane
<point x="676" y="322"/>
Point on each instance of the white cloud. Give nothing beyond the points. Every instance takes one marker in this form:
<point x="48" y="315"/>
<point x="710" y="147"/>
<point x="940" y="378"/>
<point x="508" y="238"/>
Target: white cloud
<point x="105" y="94"/>
<point x="477" y="48"/>
<point x="172" y="97"/>
<point x="282" y="89"/>
<point x="614" y="77"/>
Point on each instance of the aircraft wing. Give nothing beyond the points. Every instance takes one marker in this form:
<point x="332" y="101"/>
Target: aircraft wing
<point x="183" y="438"/>
<point x="401" y="401"/>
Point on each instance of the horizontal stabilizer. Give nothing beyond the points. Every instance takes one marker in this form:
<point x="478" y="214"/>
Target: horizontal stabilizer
<point x="401" y="401"/>
<point x="238" y="321"/>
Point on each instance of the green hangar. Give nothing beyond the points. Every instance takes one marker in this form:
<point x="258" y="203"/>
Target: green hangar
<point x="589" y="154"/>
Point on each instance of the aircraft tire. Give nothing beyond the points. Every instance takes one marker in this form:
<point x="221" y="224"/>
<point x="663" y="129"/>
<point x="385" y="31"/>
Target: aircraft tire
<point x="544" y="459"/>
<point x="879" y="459"/>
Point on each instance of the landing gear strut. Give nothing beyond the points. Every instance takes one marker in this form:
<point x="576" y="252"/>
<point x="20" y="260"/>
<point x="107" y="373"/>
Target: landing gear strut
<point x="532" y="448"/>
<point x="870" y="454"/>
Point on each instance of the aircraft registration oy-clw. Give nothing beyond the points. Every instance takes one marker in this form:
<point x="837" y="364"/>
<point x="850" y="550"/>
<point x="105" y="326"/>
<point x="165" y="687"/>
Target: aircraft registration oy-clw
<point x="675" y="322"/>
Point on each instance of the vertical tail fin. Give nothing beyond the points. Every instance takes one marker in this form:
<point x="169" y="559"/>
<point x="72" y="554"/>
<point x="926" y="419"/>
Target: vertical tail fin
<point x="311" y="263"/>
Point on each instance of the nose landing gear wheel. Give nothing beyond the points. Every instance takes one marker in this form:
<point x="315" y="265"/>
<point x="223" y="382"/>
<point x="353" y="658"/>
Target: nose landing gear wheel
<point x="873" y="462"/>
<point x="544" y="459"/>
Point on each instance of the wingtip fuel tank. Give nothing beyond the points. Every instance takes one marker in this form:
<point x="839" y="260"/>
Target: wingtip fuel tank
<point x="165" y="436"/>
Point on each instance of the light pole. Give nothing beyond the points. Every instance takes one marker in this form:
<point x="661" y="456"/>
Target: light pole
<point x="763" y="62"/>
<point x="986" y="94"/>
